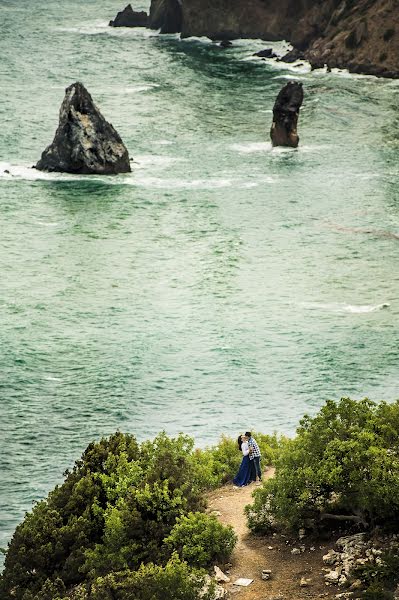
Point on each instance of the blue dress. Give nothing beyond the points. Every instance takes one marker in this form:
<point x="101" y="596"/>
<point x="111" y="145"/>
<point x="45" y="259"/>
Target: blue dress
<point x="243" y="476"/>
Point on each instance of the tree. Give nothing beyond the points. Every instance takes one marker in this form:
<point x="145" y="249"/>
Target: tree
<point x="342" y="465"/>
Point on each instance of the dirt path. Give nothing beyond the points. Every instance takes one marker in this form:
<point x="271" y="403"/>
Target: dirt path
<point x="253" y="554"/>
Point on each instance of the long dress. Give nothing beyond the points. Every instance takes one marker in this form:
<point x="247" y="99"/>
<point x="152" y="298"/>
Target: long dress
<point x="244" y="472"/>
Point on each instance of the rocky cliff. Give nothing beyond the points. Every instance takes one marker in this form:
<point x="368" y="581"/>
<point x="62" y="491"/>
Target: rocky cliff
<point x="229" y="19"/>
<point x="361" y="35"/>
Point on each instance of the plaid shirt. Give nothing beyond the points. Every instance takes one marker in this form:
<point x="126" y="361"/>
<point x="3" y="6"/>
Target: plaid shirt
<point x="255" y="448"/>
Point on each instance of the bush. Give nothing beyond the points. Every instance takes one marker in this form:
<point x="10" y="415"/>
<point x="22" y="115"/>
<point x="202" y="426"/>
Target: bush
<point x="175" y="581"/>
<point x="201" y="540"/>
<point x="135" y="528"/>
<point x="377" y="592"/>
<point x="218" y="464"/>
<point x="116" y="505"/>
<point x="51" y="541"/>
<point x="380" y="577"/>
<point x="270" y="446"/>
<point x="343" y="462"/>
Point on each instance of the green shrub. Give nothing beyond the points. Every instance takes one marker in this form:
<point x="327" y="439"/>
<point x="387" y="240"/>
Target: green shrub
<point x="377" y="592"/>
<point x="218" y="464"/>
<point x="270" y="447"/>
<point x="175" y="581"/>
<point x="135" y="528"/>
<point x="117" y="504"/>
<point x="343" y="461"/>
<point x="381" y="576"/>
<point x="201" y="540"/>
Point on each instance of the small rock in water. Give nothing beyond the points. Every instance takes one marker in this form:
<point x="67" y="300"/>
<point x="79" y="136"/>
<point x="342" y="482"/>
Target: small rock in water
<point x="84" y="142"/>
<point x="130" y="18"/>
<point x="266" y="53"/>
<point x="285" y="115"/>
<point x="225" y="44"/>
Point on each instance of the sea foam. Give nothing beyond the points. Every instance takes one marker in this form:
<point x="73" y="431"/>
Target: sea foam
<point x="342" y="307"/>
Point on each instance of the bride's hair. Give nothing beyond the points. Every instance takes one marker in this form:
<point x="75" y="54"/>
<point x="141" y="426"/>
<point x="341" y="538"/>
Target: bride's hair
<point x="239" y="442"/>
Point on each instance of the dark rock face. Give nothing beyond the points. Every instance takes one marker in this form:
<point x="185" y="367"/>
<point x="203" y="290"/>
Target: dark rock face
<point x="231" y="19"/>
<point x="360" y="35"/>
<point x="285" y="115"/>
<point x="130" y="18"/>
<point x="292" y="56"/>
<point x="84" y="141"/>
<point x="166" y="15"/>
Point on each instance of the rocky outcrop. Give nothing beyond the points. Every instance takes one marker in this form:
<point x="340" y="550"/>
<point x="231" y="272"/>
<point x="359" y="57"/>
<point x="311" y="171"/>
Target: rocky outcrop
<point x="230" y="19"/>
<point x="354" y="552"/>
<point x="130" y="18"/>
<point x="84" y="141"/>
<point x="361" y="35"/>
<point x="166" y="15"/>
<point x="266" y="53"/>
<point x="285" y="115"/>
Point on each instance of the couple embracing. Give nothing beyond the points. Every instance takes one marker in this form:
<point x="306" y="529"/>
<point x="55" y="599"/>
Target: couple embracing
<point x="250" y="465"/>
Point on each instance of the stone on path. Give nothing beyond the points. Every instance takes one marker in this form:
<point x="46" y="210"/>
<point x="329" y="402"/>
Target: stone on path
<point x="84" y="142"/>
<point x="242" y="581"/>
<point x="220" y="576"/>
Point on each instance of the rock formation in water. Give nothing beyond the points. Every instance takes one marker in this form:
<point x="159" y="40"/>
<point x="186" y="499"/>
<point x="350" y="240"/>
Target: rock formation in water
<point x="266" y="53"/>
<point x="84" y="141"/>
<point x="130" y="18"/>
<point x="166" y="15"/>
<point x="285" y="115"/>
<point x="361" y="35"/>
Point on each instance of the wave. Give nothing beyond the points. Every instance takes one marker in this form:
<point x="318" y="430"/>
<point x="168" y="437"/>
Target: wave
<point x="103" y="28"/>
<point x="136" y="178"/>
<point x="26" y="173"/>
<point x="145" y="161"/>
<point x="382" y="233"/>
<point x="250" y="147"/>
<point x="197" y="184"/>
<point x="342" y="307"/>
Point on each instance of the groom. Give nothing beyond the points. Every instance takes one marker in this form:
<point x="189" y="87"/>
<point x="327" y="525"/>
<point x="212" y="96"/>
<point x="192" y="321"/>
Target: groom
<point x="254" y="457"/>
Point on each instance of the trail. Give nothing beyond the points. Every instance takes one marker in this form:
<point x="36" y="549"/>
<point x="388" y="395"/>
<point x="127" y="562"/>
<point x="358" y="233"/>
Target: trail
<point x="253" y="554"/>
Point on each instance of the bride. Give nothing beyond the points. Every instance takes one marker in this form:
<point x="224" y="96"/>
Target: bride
<point x="244" y="472"/>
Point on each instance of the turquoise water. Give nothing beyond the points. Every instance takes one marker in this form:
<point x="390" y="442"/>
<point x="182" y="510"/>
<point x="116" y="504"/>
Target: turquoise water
<point x="222" y="285"/>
